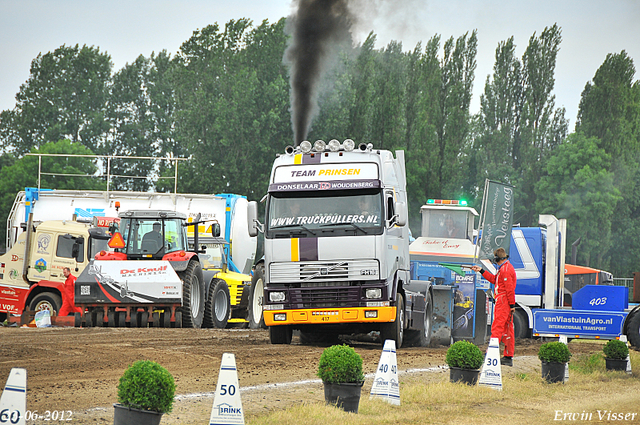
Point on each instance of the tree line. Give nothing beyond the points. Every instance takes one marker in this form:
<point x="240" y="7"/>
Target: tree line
<point x="223" y="101"/>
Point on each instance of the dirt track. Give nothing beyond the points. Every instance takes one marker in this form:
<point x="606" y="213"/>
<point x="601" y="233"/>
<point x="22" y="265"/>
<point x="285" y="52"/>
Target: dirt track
<point x="78" y="369"/>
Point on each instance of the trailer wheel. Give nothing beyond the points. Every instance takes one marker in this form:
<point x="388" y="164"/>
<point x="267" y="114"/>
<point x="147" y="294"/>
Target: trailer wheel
<point x="520" y="328"/>
<point x="134" y="318"/>
<point x="143" y="317"/>
<point x="280" y="334"/>
<point x="111" y="316"/>
<point x="256" y="293"/>
<point x="219" y="303"/>
<point x="46" y="300"/>
<point x="193" y="295"/>
<point x="209" y="308"/>
<point x="178" y="322"/>
<point x="156" y="319"/>
<point x="122" y="319"/>
<point x="422" y="337"/>
<point x="88" y="319"/>
<point x="166" y="318"/>
<point x="633" y="331"/>
<point x="99" y="318"/>
<point x="395" y="329"/>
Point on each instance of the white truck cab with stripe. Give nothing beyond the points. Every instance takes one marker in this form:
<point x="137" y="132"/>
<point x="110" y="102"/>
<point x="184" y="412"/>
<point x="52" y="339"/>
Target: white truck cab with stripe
<point x="337" y="246"/>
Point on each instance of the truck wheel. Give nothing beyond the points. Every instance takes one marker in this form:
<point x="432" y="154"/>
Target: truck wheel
<point x="256" y="293"/>
<point x="217" y="310"/>
<point x="193" y="295"/>
<point x="520" y="328"/>
<point x="421" y="337"/>
<point x="633" y="331"/>
<point x="280" y="334"/>
<point x="47" y="300"/>
<point x="395" y="329"/>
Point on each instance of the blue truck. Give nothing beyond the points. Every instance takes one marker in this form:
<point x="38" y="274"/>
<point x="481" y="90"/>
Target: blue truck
<point x="553" y="298"/>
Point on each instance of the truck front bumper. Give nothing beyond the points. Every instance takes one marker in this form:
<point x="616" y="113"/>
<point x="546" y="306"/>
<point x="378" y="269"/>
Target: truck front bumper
<point x="318" y="316"/>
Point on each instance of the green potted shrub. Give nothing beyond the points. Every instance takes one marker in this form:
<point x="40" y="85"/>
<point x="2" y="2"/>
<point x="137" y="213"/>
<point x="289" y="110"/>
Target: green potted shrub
<point x="145" y="393"/>
<point x="554" y="356"/>
<point x="464" y="360"/>
<point x="340" y="369"/>
<point x="615" y="352"/>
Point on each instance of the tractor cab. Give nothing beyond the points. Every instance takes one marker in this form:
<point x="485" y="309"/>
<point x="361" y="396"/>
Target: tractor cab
<point x="151" y="234"/>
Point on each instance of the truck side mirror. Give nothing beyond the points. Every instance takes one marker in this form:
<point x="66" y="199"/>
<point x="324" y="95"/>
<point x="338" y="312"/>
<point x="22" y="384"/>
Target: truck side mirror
<point x="215" y="230"/>
<point x="401" y="213"/>
<point x="78" y="244"/>
<point x="252" y="218"/>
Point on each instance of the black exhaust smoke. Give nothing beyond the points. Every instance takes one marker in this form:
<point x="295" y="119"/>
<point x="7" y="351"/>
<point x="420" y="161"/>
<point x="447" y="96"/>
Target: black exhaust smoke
<point x="318" y="28"/>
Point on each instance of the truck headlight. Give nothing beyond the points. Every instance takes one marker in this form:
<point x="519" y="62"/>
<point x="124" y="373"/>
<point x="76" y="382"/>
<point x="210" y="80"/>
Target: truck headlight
<point x="275" y="297"/>
<point x="280" y="317"/>
<point x="373" y="293"/>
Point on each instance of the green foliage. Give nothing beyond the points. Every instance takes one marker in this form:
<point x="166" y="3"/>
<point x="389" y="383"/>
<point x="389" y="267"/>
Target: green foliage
<point x="520" y="126"/>
<point x="616" y="349"/>
<point x="465" y="355"/>
<point x="554" y="352"/>
<point x="141" y="115"/>
<point x="340" y="364"/>
<point x="23" y="172"/>
<point x="578" y="186"/>
<point x="65" y="97"/>
<point x="146" y="385"/>
<point x="610" y="112"/>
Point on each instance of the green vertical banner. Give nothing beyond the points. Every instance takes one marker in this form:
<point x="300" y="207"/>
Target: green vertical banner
<point x="496" y="219"/>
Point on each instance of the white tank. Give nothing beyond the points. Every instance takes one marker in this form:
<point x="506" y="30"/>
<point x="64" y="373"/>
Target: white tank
<point x="85" y="205"/>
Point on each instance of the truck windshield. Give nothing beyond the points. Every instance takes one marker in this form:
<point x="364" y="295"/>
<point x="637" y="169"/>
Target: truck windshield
<point x="444" y="223"/>
<point x="213" y="258"/>
<point x="96" y="245"/>
<point x="325" y="214"/>
<point x="152" y="236"/>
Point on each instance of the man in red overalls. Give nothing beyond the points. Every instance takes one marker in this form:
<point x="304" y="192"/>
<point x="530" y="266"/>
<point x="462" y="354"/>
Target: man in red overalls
<point x="505" y="297"/>
<point x="69" y="294"/>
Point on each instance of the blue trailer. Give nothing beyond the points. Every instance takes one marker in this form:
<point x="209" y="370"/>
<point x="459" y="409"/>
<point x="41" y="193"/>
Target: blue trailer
<point x="551" y="296"/>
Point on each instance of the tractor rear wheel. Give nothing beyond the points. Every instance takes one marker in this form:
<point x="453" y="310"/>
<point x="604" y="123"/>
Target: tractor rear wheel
<point x="193" y="295"/>
<point x="633" y="330"/>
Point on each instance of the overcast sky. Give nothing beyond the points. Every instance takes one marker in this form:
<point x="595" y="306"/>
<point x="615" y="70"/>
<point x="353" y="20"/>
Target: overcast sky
<point x="126" y="29"/>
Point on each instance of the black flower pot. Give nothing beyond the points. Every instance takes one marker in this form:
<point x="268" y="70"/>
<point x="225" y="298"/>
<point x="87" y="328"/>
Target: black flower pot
<point x="553" y="372"/>
<point x="124" y="415"/>
<point x="345" y="396"/>
<point x="616" y="364"/>
<point x="466" y="376"/>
